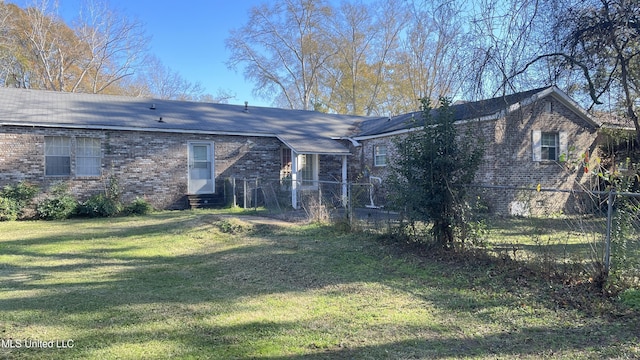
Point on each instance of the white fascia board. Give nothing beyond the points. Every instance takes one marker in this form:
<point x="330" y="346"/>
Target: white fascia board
<point x="565" y="100"/>
<point x="324" y="153"/>
<point x="617" y="127"/>
<point x="491" y="117"/>
<point x="553" y="91"/>
<point x="126" y="128"/>
<point x="310" y="152"/>
<point x="392" y="133"/>
<point x="571" y="104"/>
<point x="353" y="141"/>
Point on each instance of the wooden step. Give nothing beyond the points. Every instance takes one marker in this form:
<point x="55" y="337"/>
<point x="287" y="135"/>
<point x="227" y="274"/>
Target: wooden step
<point x="204" y="201"/>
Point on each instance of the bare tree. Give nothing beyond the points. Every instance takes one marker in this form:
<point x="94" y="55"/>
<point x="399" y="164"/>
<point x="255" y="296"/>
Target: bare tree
<point x="158" y="81"/>
<point x="599" y="39"/>
<point x="432" y="60"/>
<point x="222" y="96"/>
<point x="353" y="31"/>
<point x="53" y="48"/>
<point x="366" y="35"/>
<point x="103" y="48"/>
<point x="114" y="46"/>
<point x="283" y="49"/>
<point x="7" y="60"/>
<point x="506" y="35"/>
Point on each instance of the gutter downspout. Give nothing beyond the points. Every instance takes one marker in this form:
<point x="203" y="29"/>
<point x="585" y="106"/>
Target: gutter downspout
<point x="353" y="141"/>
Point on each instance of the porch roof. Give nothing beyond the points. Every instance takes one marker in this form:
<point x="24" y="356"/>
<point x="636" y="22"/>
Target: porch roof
<point x="304" y="144"/>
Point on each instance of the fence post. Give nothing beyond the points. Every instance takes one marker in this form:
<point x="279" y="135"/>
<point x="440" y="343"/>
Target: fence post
<point x="350" y="205"/>
<point x="607" y="249"/>
<point x="244" y="183"/>
<point x="319" y="196"/>
<point x="233" y="187"/>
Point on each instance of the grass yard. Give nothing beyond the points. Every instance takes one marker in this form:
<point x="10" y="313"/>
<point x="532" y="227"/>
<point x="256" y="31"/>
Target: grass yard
<point x="196" y="285"/>
<point x="564" y="242"/>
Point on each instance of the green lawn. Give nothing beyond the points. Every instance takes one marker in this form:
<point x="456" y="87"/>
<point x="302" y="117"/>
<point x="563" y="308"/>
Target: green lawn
<point x="567" y="241"/>
<point x="192" y="285"/>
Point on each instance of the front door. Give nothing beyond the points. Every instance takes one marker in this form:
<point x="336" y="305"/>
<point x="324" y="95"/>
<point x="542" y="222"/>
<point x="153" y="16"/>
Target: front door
<point x="201" y="172"/>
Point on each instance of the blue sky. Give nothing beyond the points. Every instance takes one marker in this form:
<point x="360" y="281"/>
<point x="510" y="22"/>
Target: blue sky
<point x="188" y="37"/>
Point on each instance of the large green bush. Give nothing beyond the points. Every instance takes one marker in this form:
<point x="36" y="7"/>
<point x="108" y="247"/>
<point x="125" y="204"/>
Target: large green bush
<point x="8" y="209"/>
<point x="14" y="198"/>
<point x="57" y="208"/>
<point x="138" y="206"/>
<point x="100" y="205"/>
<point x="60" y="205"/>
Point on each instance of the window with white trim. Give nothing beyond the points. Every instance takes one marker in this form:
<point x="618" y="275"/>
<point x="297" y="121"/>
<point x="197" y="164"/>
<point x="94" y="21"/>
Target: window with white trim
<point x="57" y="155"/>
<point x="549" y="146"/>
<point x="88" y="157"/>
<point x="380" y="155"/>
<point x="285" y="162"/>
<point x="308" y="169"/>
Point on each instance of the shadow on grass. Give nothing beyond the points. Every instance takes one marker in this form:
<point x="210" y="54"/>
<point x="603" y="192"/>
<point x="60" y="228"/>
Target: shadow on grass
<point x="267" y="260"/>
<point x="526" y="227"/>
<point x="255" y="340"/>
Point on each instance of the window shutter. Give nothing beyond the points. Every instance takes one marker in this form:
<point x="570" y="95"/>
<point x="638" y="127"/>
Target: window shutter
<point x="536" y="145"/>
<point x="563" y="143"/>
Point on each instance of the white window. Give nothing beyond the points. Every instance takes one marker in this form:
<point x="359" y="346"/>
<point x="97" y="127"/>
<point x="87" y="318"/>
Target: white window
<point x="201" y="162"/>
<point x="308" y="170"/>
<point x="380" y="155"/>
<point x="88" y="157"/>
<point x="549" y="146"/>
<point x="285" y="163"/>
<point x="57" y="156"/>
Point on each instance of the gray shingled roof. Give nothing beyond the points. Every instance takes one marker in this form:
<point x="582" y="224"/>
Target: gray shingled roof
<point x="466" y="111"/>
<point x="461" y="111"/>
<point x="304" y="131"/>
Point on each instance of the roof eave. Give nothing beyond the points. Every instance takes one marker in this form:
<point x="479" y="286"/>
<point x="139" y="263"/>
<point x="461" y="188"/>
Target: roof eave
<point x="570" y="103"/>
<point x="311" y="152"/>
<point x="404" y="131"/>
<point x="130" y="128"/>
<point x="617" y="127"/>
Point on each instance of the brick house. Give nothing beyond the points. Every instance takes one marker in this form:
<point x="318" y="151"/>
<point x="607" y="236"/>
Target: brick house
<point x="165" y="150"/>
<point x="533" y="137"/>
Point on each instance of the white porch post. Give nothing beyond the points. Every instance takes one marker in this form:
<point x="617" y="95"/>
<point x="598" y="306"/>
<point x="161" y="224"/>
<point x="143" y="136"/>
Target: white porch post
<point x="344" y="180"/>
<point x="294" y="179"/>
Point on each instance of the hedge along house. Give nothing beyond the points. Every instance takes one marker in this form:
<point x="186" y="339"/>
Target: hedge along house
<point x="164" y="150"/>
<point x="533" y="137"/>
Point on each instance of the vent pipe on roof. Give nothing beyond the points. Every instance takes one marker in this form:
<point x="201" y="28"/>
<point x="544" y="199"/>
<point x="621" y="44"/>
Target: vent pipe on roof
<point x="153" y="107"/>
<point x="246" y="106"/>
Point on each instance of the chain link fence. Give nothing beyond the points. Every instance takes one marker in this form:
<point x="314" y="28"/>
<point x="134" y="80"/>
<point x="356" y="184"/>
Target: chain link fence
<point x="564" y="231"/>
<point x="363" y="206"/>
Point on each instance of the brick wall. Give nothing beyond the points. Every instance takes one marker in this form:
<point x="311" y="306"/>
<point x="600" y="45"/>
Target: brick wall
<point x="508" y="158"/>
<point x="146" y="164"/>
<point x="154" y="165"/>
